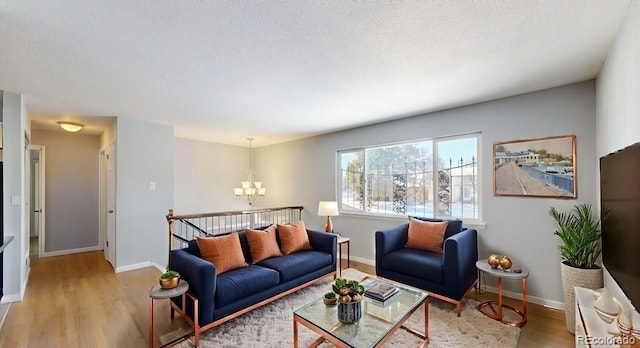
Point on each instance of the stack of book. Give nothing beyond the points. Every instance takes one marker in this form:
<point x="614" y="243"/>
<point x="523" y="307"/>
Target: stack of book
<point x="381" y="292"/>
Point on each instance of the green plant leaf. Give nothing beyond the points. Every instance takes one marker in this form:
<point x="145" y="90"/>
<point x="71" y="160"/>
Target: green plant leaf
<point x="580" y="234"/>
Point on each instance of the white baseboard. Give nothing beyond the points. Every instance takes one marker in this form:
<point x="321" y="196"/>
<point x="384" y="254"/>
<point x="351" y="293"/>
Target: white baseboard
<point x="530" y="299"/>
<point x="70" y="251"/>
<point x="17" y="297"/>
<point x="139" y="265"/>
<point x="11" y="298"/>
<point x="363" y="260"/>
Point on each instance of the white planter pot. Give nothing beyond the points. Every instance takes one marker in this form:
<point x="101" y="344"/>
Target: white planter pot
<point x="571" y="277"/>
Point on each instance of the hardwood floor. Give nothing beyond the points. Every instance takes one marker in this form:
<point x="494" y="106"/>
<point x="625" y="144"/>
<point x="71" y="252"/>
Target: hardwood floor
<point x="77" y="301"/>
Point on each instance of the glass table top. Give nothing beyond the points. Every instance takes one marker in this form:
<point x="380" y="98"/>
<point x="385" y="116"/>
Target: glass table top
<point x="376" y="322"/>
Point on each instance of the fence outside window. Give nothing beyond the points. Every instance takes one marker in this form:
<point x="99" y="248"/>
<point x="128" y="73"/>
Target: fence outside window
<point x="400" y="180"/>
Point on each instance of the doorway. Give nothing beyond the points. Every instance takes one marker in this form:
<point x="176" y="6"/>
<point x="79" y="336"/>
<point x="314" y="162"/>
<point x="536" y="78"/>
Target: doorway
<point x="107" y="213"/>
<point x="36" y="200"/>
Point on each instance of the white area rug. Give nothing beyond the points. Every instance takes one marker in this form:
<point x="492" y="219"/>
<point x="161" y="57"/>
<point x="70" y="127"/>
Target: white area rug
<point x="272" y="326"/>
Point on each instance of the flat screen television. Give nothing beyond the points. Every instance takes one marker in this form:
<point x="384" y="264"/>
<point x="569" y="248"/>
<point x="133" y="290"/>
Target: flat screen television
<point x="620" y="211"/>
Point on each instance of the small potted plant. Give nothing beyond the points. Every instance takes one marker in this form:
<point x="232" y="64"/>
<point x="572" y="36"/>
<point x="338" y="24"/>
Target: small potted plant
<point x="169" y="279"/>
<point x="349" y="299"/>
<point x="330" y="298"/>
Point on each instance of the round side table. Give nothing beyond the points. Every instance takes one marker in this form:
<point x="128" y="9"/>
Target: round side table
<point x="158" y="293"/>
<point x="496" y="307"/>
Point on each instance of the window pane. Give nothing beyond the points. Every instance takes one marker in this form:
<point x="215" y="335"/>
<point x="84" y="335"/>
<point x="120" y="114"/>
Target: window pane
<point x="457" y="184"/>
<point x="352" y="180"/>
<point x="410" y="179"/>
<point x="398" y="178"/>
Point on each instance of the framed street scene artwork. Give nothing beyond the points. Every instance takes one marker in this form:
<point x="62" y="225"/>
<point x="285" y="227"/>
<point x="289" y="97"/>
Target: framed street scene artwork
<point x="542" y="167"/>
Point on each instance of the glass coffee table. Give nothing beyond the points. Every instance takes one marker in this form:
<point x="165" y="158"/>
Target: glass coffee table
<point x="375" y="327"/>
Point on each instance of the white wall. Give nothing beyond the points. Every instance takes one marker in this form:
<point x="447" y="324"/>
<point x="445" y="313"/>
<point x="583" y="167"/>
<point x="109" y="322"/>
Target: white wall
<point x="205" y="175"/>
<point x="618" y="99"/>
<point x="15" y="125"/>
<point x="145" y="154"/>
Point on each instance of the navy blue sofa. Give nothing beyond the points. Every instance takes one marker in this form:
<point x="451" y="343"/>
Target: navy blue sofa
<point x="230" y="294"/>
<point x="447" y="276"/>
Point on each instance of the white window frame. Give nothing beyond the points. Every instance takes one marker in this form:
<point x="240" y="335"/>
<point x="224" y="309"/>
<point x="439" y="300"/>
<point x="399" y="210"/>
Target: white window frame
<point x="477" y="221"/>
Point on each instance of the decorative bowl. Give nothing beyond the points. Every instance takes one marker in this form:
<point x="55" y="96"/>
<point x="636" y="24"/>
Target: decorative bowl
<point x="330" y="301"/>
<point x="607" y="318"/>
<point x="505" y="263"/>
<point x="606" y="304"/>
<point x="493" y="261"/>
<point x="169" y="283"/>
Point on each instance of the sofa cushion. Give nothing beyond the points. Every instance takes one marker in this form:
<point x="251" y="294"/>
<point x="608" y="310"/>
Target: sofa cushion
<point x="240" y="283"/>
<point x="293" y="238"/>
<point x="426" y="235"/>
<point x="418" y="263"/>
<point x="294" y="265"/>
<point x="263" y="244"/>
<point x="453" y="226"/>
<point x="224" y="252"/>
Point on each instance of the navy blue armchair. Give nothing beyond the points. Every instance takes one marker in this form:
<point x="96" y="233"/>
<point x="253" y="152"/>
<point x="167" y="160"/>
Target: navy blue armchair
<point x="447" y="276"/>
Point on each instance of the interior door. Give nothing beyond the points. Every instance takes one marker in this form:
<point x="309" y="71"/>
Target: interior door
<point x="110" y="242"/>
<point x="37" y="201"/>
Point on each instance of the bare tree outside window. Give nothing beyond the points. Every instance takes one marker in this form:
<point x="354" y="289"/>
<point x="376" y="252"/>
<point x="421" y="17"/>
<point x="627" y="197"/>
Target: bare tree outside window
<point x="398" y="179"/>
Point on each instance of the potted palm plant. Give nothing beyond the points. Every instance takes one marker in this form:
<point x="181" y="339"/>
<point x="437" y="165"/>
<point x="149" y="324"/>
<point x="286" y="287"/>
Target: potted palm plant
<point x="579" y="233"/>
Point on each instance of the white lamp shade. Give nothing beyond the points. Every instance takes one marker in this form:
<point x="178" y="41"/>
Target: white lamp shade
<point x="262" y="191"/>
<point x="245" y="184"/>
<point x="257" y="184"/>
<point x="327" y="208"/>
<point x="238" y="191"/>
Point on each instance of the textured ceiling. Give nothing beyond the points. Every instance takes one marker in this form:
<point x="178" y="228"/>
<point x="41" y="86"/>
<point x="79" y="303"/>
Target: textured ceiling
<point x="224" y="70"/>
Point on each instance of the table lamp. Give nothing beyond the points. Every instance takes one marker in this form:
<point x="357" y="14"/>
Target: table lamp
<point x="328" y="209"/>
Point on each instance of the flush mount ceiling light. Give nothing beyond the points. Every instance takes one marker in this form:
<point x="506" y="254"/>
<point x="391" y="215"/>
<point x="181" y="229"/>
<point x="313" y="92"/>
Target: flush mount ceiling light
<point x="70" y="126"/>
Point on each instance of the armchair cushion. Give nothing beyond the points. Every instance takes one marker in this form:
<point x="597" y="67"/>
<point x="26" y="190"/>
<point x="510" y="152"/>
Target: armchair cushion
<point x="426" y="235"/>
<point x="263" y="244"/>
<point x="293" y="238"/>
<point x="453" y="226"/>
<point x="418" y="263"/>
<point x="223" y="251"/>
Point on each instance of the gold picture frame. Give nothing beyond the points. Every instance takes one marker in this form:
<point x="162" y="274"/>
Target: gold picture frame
<point x="538" y="167"/>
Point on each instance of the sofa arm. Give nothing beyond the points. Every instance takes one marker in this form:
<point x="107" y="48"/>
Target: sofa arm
<point x="201" y="275"/>
<point x="323" y="241"/>
<point x="389" y="240"/>
<point x="460" y="256"/>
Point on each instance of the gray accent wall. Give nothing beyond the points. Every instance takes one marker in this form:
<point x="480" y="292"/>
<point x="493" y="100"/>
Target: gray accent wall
<point x="205" y="175"/>
<point x="15" y="126"/>
<point x="304" y="172"/>
<point x="618" y="100"/>
<point x="71" y="189"/>
<point x="145" y="154"/>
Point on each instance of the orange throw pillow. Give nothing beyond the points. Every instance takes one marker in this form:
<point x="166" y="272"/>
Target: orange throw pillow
<point x="293" y="238"/>
<point x="426" y="235"/>
<point x="224" y="252"/>
<point x="263" y="244"/>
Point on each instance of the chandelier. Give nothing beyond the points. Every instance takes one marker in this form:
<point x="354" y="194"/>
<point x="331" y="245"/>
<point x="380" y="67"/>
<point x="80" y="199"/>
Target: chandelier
<point x="250" y="189"/>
